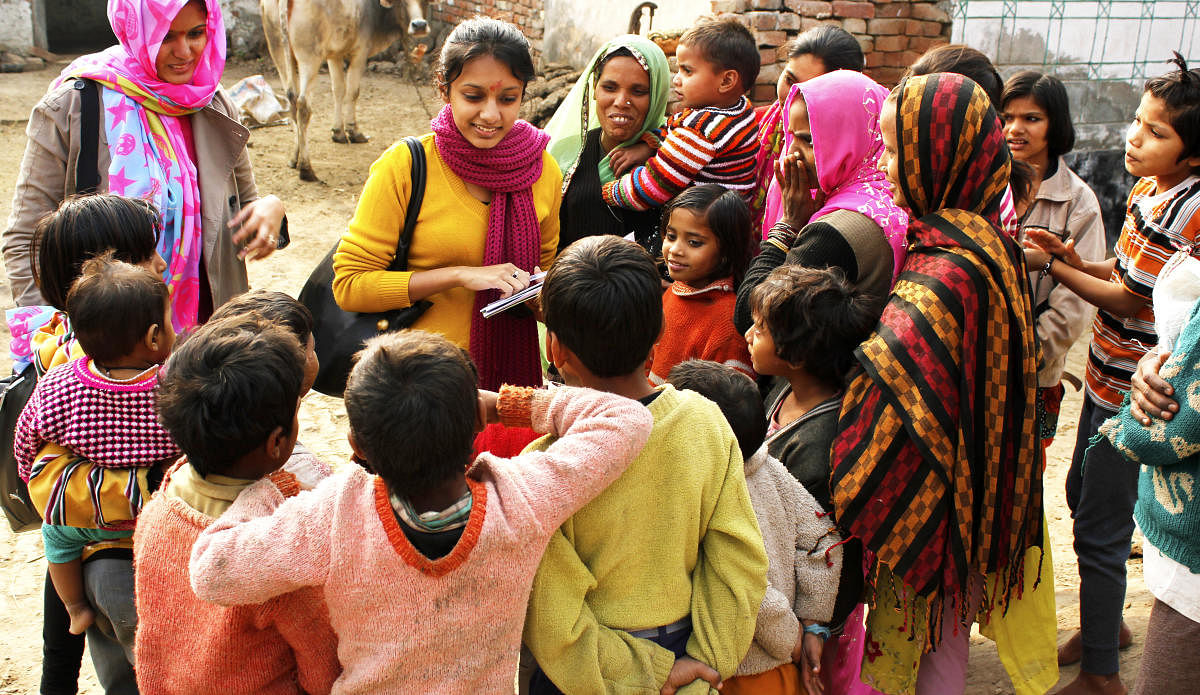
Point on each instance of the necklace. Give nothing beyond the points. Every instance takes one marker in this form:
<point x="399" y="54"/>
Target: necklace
<point x="109" y="370"/>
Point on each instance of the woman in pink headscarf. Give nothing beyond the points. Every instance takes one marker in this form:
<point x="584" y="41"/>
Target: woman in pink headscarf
<point x="168" y="134"/>
<point x="163" y="132"/>
<point x="828" y="204"/>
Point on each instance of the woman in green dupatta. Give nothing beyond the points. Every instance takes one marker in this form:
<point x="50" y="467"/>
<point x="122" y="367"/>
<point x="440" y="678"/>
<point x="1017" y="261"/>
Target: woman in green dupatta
<point x="621" y="95"/>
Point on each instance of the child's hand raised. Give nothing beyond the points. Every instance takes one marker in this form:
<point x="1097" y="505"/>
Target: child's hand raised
<point x="622" y="159"/>
<point x="489" y="402"/>
<point x="807" y="657"/>
<point x="686" y="670"/>
<point x="1047" y="241"/>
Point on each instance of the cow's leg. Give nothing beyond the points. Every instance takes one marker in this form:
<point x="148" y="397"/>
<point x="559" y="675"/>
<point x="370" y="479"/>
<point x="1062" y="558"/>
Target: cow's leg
<point x="358" y="65"/>
<point x="337" y="76"/>
<point x="309" y="66"/>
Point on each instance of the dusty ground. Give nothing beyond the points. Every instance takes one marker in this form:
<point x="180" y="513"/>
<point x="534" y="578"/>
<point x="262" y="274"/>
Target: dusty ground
<point x="318" y="212"/>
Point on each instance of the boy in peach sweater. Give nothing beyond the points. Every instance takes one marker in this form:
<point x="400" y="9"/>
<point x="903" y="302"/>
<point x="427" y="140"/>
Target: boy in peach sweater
<point x="229" y="399"/>
<point x="430" y="557"/>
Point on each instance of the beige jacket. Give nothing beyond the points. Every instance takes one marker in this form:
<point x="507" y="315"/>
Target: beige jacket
<point x="47" y="176"/>
<point x="1068" y="208"/>
<point x="805" y="563"/>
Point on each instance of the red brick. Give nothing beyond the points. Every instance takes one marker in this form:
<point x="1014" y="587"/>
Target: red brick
<point x="924" y="43"/>
<point x="729" y="6"/>
<point x="880" y="27"/>
<point x="765" y="21"/>
<point x="766" y="56"/>
<point x="935" y="29"/>
<point x="875" y="59"/>
<point x="890" y="43"/>
<point x="789" y="20"/>
<point x="766" y="4"/>
<point x="763" y="94"/>
<point x="855" y="25"/>
<point x="866" y="43"/>
<point x="900" y="59"/>
<point x="807" y="23"/>
<point x="892" y="9"/>
<point x="770" y="38"/>
<point x="928" y="10"/>
<point x="810" y="8"/>
<point x="847" y="8"/>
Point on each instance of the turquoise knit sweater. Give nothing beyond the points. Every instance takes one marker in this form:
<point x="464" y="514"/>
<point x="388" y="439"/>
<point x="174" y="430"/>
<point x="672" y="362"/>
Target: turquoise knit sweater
<point x="1168" y="511"/>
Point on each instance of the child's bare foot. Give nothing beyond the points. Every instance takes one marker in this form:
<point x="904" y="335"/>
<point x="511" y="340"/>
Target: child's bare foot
<point x="1092" y="684"/>
<point x="82" y="617"/>
<point x="1072" y="650"/>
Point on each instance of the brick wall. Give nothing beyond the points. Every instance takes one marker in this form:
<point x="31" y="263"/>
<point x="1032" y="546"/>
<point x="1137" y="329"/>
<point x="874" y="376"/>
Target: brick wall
<point x="892" y="33"/>
<point x="527" y="15"/>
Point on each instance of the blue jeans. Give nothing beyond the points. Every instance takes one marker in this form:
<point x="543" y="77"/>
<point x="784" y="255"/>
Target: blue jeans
<point x="1101" y="493"/>
<point x="676" y="642"/>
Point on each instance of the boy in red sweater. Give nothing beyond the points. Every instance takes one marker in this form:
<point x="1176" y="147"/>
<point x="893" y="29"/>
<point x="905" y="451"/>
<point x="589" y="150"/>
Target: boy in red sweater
<point x="229" y="398"/>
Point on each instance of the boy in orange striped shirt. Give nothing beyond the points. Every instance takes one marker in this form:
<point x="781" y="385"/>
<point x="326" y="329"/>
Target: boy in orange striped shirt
<point x="714" y="139"/>
<point x="1162" y="146"/>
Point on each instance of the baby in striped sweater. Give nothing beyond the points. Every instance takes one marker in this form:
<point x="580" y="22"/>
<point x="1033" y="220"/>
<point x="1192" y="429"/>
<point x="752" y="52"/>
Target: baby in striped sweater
<point x="101" y="407"/>
<point x="714" y="139"/>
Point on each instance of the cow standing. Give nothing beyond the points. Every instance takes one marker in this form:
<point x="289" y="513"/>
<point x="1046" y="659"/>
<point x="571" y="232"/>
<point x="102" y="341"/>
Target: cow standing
<point x="301" y="34"/>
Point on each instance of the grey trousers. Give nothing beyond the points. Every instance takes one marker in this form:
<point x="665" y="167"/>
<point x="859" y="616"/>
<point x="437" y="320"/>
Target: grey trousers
<point x="109" y="586"/>
<point x="1170" y="661"/>
<point x="1101" y="492"/>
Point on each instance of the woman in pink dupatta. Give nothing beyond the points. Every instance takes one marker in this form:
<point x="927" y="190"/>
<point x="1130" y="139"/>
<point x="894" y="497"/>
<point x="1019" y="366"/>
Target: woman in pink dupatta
<point x="848" y="220"/>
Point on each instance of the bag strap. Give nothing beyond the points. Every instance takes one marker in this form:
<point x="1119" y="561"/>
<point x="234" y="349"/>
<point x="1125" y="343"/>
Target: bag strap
<point x="87" y="171"/>
<point x="415" y="197"/>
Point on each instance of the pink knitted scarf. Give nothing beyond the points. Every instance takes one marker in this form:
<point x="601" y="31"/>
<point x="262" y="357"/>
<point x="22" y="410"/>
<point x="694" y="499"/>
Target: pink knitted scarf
<point x="504" y="347"/>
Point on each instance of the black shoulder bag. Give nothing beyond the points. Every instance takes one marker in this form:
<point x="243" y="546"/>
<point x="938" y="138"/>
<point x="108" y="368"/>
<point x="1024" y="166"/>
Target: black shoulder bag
<point x="340" y="334"/>
<point x="16" y="389"/>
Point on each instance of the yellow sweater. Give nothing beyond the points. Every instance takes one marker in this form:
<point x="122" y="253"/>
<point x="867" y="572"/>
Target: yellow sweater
<point x="450" y="231"/>
<point x="674" y="536"/>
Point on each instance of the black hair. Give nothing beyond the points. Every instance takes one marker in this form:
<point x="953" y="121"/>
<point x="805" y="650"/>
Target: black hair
<point x="1048" y="92"/>
<point x="86" y="226"/>
<point x="727" y="216"/>
<point x="227" y="386"/>
<point x="834" y="46"/>
<point x="1180" y="92"/>
<point x="602" y="298"/>
<point x="734" y="393"/>
<point x="728" y="44"/>
<point x="1021" y="180"/>
<point x="111" y="306"/>
<point x="962" y="60"/>
<point x="484" y="36"/>
<point x="430" y="385"/>
<point x="276" y="307"/>
<point x="815" y="317"/>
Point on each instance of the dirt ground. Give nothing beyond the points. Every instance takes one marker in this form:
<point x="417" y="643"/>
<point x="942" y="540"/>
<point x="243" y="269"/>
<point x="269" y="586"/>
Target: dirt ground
<point x="318" y="212"/>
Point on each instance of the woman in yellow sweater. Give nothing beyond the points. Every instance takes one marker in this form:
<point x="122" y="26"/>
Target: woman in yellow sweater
<point x="488" y="219"/>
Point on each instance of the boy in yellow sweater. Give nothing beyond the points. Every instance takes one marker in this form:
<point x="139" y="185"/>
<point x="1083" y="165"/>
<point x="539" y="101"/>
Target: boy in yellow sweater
<point x="661" y="576"/>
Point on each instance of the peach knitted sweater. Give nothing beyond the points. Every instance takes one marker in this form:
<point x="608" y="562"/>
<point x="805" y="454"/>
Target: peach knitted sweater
<point x="407" y="624"/>
<point x="185" y="645"/>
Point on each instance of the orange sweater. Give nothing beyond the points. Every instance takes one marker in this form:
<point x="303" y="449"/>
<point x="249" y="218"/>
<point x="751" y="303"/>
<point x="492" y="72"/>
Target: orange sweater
<point x="184" y="645"/>
<point x="698" y="324"/>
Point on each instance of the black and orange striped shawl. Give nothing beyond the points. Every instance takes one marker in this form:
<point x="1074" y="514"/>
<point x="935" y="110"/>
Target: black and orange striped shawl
<point x="937" y="466"/>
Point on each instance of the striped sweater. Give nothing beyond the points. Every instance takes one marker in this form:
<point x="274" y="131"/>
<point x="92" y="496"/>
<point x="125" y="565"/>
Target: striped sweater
<point x="708" y="145"/>
<point x="1155" y="226"/>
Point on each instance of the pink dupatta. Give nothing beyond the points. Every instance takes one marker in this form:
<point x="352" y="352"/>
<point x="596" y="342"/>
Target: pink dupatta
<point x="843" y="117"/>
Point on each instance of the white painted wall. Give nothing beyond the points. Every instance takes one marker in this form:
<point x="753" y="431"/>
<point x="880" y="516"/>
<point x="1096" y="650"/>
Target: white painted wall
<point x="16" y="23"/>
<point x="576" y="28"/>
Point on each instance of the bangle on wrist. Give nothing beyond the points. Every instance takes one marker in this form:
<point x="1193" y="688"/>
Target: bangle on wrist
<point x="818" y="630"/>
<point x="1049" y="262"/>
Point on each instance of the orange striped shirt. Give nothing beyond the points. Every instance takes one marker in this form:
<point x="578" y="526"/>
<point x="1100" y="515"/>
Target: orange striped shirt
<point x="708" y="145"/>
<point x="1145" y="244"/>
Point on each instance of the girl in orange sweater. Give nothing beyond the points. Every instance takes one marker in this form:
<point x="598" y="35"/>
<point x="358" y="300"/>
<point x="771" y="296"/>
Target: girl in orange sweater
<point x="706" y="245"/>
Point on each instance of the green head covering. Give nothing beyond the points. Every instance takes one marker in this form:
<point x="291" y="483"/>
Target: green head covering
<point x="570" y="123"/>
